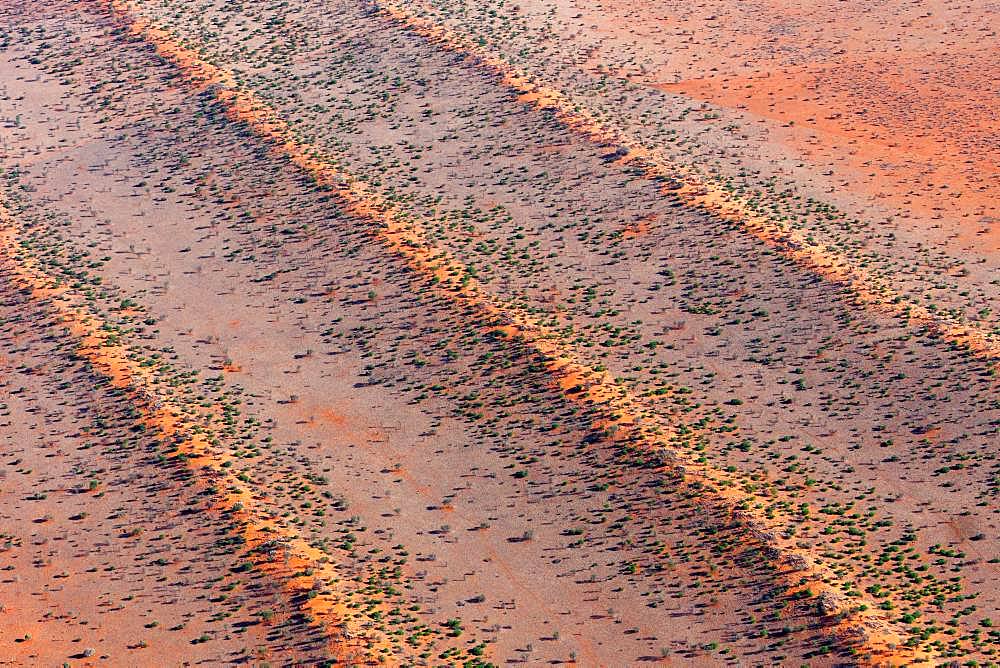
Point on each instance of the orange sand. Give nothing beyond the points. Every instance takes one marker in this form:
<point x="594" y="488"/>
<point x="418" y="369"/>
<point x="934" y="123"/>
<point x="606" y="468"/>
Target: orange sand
<point x="704" y="194"/>
<point x="161" y="413"/>
<point x="926" y="146"/>
<point x="869" y="631"/>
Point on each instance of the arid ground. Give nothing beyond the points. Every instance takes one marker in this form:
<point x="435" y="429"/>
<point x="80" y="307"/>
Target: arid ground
<point x="499" y="332"/>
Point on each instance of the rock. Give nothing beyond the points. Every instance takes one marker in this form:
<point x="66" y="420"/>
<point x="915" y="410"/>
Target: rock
<point x="829" y="603"/>
<point x="797" y="562"/>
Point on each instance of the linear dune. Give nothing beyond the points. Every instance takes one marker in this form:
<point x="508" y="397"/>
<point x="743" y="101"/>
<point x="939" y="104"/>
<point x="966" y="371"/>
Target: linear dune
<point x="286" y="556"/>
<point x="868" y="632"/>
<point x="697" y="192"/>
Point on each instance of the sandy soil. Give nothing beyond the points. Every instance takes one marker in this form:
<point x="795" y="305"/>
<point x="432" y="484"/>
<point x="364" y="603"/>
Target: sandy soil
<point x="897" y="100"/>
<point x="399" y="353"/>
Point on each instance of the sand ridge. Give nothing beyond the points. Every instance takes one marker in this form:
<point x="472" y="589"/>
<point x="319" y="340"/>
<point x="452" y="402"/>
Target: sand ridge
<point x="483" y="356"/>
<point x="697" y="192"/>
<point x="867" y="630"/>
<point x="285" y="555"/>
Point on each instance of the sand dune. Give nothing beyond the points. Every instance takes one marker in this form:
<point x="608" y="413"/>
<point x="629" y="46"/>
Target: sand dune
<point x="488" y="334"/>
